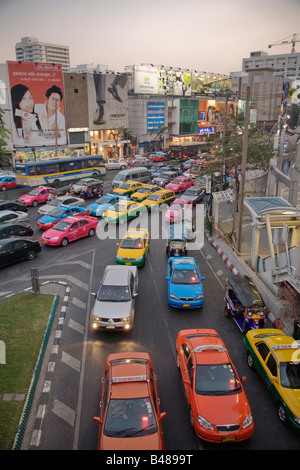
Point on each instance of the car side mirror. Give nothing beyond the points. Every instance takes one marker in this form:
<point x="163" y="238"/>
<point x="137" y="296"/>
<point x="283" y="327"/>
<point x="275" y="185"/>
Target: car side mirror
<point x="97" y="420"/>
<point x="187" y="382"/>
<point x="118" y="244"/>
<point x="93" y="294"/>
<point x="202" y="278"/>
<point x="243" y="379"/>
<point x="162" y="415"/>
<point x="167" y="278"/>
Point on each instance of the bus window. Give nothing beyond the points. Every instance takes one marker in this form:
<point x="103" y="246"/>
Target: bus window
<point x="32" y="170"/>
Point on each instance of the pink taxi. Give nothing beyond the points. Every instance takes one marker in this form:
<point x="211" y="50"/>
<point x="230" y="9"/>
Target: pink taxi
<point x="70" y="229"/>
<point x="179" y="184"/>
<point x="175" y="213"/>
<point x="36" y="196"/>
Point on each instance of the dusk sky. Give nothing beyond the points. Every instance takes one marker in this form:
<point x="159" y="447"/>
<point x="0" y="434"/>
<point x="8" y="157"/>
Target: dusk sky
<point x="193" y="34"/>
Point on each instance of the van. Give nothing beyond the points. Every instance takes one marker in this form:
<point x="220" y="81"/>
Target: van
<point x="141" y="174"/>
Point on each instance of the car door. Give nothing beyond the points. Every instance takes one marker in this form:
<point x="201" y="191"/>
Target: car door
<point x="74" y="231"/>
<point x="186" y="367"/>
<point x="6" y="254"/>
<point x="20" y="249"/>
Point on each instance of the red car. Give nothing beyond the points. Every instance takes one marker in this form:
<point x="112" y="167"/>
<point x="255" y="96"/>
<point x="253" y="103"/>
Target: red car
<point x="159" y="157"/>
<point x="180" y="184"/>
<point x="36" y="196"/>
<point x="218" y="406"/>
<point x="7" y="182"/>
<point x="69" y="230"/>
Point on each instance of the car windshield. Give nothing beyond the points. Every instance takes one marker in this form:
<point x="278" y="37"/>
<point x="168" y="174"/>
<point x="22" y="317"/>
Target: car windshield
<point x="143" y="190"/>
<point x="132" y="243"/>
<point x="175" y="207"/>
<point x="216" y="379"/>
<point x="130" y="418"/>
<point x="176" y="181"/>
<point x="177" y="244"/>
<point x="34" y="192"/>
<point x="290" y="374"/>
<point x="185" y="276"/>
<point x="154" y="197"/>
<point x="62" y="226"/>
<point x="102" y="200"/>
<point x="114" y="294"/>
<point x="190" y="192"/>
<point x="119" y="177"/>
<point x="55" y="213"/>
<point x="55" y="202"/>
<point x="119" y="207"/>
<point x="124" y="186"/>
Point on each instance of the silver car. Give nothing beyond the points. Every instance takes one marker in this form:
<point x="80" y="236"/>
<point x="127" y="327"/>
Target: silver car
<point x="61" y="201"/>
<point x="115" y="300"/>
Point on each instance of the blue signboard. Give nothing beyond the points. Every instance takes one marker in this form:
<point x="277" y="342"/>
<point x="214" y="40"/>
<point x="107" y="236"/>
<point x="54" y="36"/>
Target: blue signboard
<point x="207" y="130"/>
<point x="155" y="116"/>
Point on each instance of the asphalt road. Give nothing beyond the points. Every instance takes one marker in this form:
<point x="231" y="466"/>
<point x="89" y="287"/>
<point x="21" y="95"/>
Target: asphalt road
<point x="75" y="388"/>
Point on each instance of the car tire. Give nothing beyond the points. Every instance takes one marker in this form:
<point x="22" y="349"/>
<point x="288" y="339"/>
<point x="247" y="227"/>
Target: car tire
<point x="122" y="167"/>
<point x="250" y="361"/>
<point x="30" y="255"/>
<point x="4" y="188"/>
<point x="35" y="203"/>
<point x="91" y="232"/>
<point x="64" y="242"/>
<point x="282" y="415"/>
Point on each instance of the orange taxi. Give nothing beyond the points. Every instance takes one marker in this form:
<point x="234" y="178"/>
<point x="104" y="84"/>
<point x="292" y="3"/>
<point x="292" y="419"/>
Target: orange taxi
<point x="130" y="416"/>
<point x="218" y="406"/>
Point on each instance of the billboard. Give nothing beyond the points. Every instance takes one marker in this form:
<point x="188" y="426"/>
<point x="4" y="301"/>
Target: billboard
<point x="162" y="81"/>
<point x="37" y="103"/>
<point x="155" y="116"/>
<point x="203" y="84"/>
<point x="107" y="100"/>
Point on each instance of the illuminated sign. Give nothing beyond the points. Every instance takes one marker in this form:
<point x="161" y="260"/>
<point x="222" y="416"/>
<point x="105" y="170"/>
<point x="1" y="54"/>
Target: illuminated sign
<point x="207" y="130"/>
<point x="162" y="81"/>
<point x="155" y="116"/>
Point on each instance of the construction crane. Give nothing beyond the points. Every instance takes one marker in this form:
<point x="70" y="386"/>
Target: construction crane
<point x="289" y="40"/>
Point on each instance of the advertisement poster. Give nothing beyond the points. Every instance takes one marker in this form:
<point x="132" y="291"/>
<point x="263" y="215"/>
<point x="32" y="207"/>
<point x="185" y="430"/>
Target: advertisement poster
<point x="107" y="96"/>
<point x="37" y="100"/>
<point x="162" y="81"/>
<point x="155" y="116"/>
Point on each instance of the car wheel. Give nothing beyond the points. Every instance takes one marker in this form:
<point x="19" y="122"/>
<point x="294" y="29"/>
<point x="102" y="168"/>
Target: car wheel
<point x="64" y="242"/>
<point x="282" y="413"/>
<point x="3" y="188"/>
<point x="91" y="232"/>
<point x="250" y="361"/>
<point x="30" y="255"/>
<point x="122" y="167"/>
<point x="191" y="417"/>
<point x="35" y="203"/>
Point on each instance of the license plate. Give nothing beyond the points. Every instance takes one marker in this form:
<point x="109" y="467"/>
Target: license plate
<point x="228" y="438"/>
<point x="185" y="305"/>
<point x="110" y="327"/>
<point x="128" y="264"/>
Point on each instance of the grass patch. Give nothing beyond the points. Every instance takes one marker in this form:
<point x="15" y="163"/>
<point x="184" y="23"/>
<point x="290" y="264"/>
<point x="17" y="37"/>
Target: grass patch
<point x="23" y="321"/>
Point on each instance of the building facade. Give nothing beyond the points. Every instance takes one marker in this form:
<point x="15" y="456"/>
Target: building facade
<point x="285" y="65"/>
<point x="32" y="50"/>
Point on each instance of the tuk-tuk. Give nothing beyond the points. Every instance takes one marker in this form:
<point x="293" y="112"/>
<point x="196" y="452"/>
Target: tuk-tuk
<point x="91" y="190"/>
<point x="244" y="303"/>
<point x="177" y="241"/>
<point x="56" y="192"/>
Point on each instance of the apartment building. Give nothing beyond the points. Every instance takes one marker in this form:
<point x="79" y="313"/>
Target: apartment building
<point x="32" y="50"/>
<point x="286" y="65"/>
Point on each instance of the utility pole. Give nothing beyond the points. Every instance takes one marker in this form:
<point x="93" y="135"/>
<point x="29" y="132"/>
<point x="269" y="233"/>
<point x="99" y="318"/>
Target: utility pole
<point x="243" y="172"/>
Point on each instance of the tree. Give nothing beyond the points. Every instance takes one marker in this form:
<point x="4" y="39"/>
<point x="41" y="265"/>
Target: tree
<point x="4" y="134"/>
<point x="226" y="157"/>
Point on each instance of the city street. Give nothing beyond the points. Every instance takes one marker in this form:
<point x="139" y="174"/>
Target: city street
<point x="75" y="387"/>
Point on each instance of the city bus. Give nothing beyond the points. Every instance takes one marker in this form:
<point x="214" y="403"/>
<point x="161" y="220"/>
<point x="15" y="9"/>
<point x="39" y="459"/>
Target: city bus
<point x="60" y="170"/>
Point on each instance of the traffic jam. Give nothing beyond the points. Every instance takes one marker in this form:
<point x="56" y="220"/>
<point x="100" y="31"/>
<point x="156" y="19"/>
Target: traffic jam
<point x="130" y="414"/>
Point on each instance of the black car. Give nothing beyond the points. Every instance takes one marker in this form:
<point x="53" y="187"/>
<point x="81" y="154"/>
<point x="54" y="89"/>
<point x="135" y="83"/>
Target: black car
<point x="15" y="230"/>
<point x="13" y="206"/>
<point x="17" y="249"/>
<point x="193" y="195"/>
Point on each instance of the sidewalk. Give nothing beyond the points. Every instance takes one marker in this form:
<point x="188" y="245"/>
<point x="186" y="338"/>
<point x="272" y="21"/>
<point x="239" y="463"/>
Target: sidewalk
<point x="279" y="312"/>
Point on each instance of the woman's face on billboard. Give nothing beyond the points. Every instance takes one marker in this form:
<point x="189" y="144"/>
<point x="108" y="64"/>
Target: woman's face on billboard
<point x="26" y="104"/>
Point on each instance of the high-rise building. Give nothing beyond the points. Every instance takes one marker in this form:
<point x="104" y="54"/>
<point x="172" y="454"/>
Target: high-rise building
<point x="285" y="65"/>
<point x="32" y="50"/>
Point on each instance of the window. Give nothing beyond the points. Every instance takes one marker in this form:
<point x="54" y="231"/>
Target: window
<point x="272" y="365"/>
<point x="263" y="350"/>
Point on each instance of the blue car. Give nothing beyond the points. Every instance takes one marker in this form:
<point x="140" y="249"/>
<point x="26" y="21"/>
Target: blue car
<point x="185" y="289"/>
<point x="102" y="204"/>
<point x="58" y="213"/>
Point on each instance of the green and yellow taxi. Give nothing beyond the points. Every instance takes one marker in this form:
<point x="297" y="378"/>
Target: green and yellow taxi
<point x="276" y="358"/>
<point x="127" y="188"/>
<point x="123" y="210"/>
<point x="134" y="247"/>
<point x="142" y="193"/>
<point x="163" y="196"/>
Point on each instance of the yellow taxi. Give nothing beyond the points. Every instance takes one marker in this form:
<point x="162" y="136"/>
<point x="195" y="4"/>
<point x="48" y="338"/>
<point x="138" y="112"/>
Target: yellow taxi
<point x="134" y="247"/>
<point x="144" y="192"/>
<point x="127" y="188"/>
<point x="130" y="416"/>
<point x="276" y="358"/>
<point x="163" y="196"/>
<point x="123" y="210"/>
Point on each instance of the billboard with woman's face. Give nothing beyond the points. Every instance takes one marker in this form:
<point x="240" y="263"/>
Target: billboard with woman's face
<point x="37" y="103"/>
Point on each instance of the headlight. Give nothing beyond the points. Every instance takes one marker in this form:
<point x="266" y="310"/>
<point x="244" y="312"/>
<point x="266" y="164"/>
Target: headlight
<point x="96" y="318"/>
<point x="247" y="421"/>
<point x="119" y="257"/>
<point x="139" y="258"/>
<point x="173" y="296"/>
<point x="126" y="319"/>
<point x="203" y="422"/>
<point x="199" y="297"/>
<point x="54" y="238"/>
